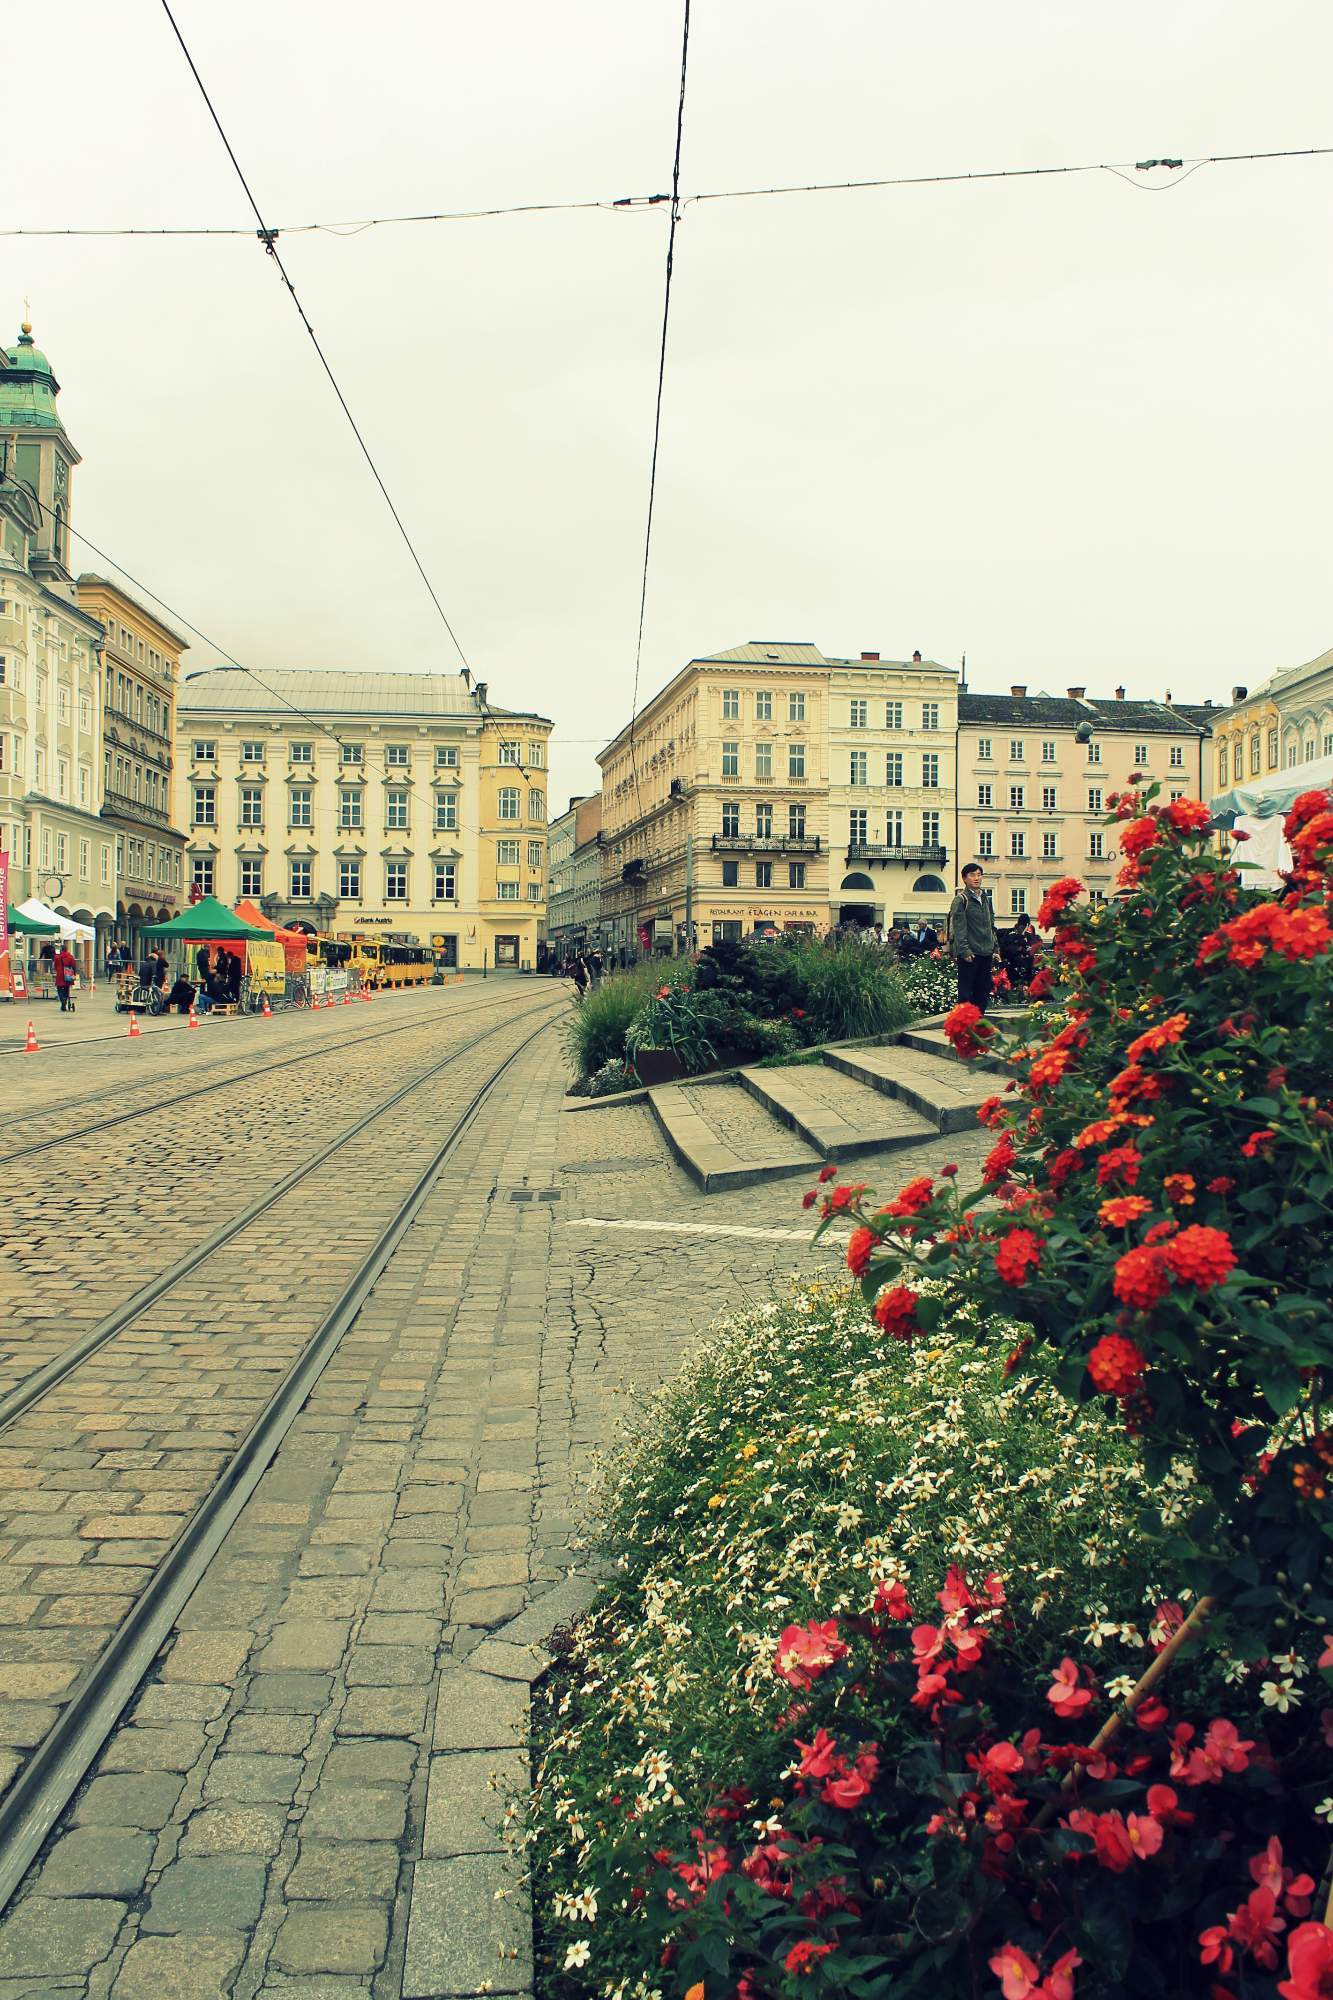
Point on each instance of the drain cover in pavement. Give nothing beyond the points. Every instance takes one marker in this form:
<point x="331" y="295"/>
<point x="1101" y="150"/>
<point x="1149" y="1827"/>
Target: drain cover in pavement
<point x="534" y="1194"/>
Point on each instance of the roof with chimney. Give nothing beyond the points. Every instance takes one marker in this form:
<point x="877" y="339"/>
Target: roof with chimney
<point x="1045" y="711"/>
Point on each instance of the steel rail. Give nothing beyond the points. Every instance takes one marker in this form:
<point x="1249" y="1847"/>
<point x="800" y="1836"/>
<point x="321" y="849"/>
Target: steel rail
<point x="41" y="1792"/>
<point x="33" y="1387"/>
<point x="200" y="1090"/>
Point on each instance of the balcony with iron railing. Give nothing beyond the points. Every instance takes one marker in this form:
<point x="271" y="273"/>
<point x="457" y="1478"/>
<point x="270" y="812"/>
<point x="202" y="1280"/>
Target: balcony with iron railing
<point x="767" y="843"/>
<point x="887" y="851"/>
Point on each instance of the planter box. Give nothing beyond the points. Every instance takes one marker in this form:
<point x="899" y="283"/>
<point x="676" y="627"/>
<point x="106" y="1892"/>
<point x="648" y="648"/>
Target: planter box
<point x="655" y="1066"/>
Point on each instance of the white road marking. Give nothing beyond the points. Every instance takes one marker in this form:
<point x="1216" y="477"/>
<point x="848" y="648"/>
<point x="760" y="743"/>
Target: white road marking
<point x="688" y="1228"/>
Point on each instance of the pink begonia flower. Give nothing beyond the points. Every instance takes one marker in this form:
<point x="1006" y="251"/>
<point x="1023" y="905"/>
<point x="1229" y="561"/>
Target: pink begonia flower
<point x="1064" y="1694"/>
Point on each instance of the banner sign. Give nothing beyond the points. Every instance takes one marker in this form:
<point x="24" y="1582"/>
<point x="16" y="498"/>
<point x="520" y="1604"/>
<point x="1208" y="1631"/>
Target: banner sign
<point x="268" y="966"/>
<point x="6" y="975"/>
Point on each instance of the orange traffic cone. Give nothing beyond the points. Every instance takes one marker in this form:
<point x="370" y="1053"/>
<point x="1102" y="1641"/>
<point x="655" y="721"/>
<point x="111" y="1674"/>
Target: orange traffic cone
<point x="347" y="998"/>
<point x="32" y="1046"/>
<point x="133" y="1027"/>
<point x="193" y="1021"/>
<point x="266" y="1010"/>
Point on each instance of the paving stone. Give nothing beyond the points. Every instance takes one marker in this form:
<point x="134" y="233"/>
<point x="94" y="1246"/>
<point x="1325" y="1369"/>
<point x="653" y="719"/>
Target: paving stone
<point x="280" y="1734"/>
<point x="356" y="1812"/>
<point x="179" y="1703"/>
<point x="296" y="1694"/>
<point x="479" y="1711"/>
<point x="25" y="1722"/>
<point x="156" y="1747"/>
<point x="235" y="1830"/>
<point x="186" y="1967"/>
<point x="252" y="1780"/>
<point x="486" y="1608"/>
<point x="338" y="1871"/>
<point x="348" y="1938"/>
<point x="223" y="1892"/>
<point x="208" y="1657"/>
<point x="383" y="1712"/>
<point x="304" y="1643"/>
<point x="390" y="1666"/>
<point x="372" y="1761"/>
<point x="466" y="1797"/>
<point x="46" y="1936"/>
<point x="136" y="1800"/>
<point x="468" y="1929"/>
<point x="110" y="1861"/>
<point x="400" y="1628"/>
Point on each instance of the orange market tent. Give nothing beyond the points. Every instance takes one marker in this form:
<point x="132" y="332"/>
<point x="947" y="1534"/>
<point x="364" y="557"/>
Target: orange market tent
<point x="293" y="942"/>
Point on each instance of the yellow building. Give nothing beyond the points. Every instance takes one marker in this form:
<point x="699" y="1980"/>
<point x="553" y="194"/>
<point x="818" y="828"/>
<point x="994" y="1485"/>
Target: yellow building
<point x="140" y="668"/>
<point x="397" y="805"/>
<point x="1032" y="793"/>
<point x="1285" y="723"/>
<point x="893" y="727"/>
<point x="715" y="803"/>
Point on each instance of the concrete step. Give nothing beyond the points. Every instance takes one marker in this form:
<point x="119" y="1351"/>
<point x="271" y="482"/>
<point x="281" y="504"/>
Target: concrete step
<point x="934" y="1084"/>
<point x="834" y="1112"/>
<point x="723" y="1139"/>
<point x="934" y="1042"/>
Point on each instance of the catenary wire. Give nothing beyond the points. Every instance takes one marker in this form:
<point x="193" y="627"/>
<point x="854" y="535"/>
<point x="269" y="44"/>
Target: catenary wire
<point x="637" y="203"/>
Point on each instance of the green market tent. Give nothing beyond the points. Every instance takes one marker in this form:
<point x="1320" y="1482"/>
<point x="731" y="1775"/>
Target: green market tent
<point x="206" y="920"/>
<point x="28" y="926"/>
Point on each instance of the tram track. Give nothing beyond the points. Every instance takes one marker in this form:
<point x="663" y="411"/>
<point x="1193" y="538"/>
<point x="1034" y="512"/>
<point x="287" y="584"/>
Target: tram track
<point x="56" y="1767"/>
<point x="236" y="1077"/>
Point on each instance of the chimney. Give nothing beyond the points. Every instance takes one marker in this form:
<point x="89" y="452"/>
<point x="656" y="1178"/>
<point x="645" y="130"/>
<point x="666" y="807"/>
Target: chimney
<point x="480" y="691"/>
<point x="1239" y="694"/>
<point x="916" y="659"/>
<point x="1168" y="697"/>
<point x="870" y="656"/>
<point x="1120" y="694"/>
<point x="1018" y="692"/>
<point x="1076" y="694"/>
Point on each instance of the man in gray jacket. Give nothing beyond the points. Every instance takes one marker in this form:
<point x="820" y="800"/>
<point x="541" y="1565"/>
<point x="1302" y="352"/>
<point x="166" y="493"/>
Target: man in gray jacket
<point x="972" y="937"/>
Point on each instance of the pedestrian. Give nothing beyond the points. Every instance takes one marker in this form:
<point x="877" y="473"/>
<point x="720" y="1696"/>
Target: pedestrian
<point x="201" y="966"/>
<point x="65" y="971"/>
<point x="159" y="969"/>
<point x="972" y="938"/>
<point x="578" y="972"/>
<point x="1018" y="950"/>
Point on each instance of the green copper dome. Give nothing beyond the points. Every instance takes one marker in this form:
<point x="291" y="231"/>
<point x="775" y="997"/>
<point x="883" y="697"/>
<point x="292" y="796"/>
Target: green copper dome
<point x="28" y="389"/>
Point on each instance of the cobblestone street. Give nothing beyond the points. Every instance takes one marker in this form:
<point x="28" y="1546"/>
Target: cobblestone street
<point x="291" y="1802"/>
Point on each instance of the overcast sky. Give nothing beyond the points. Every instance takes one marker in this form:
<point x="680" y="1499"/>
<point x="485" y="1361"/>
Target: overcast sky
<point x="1077" y="430"/>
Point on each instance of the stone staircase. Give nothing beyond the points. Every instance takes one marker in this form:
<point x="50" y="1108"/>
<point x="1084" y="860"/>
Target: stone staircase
<point x="757" y="1125"/>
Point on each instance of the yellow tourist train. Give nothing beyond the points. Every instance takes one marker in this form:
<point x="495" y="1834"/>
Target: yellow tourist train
<point x="380" y="961"/>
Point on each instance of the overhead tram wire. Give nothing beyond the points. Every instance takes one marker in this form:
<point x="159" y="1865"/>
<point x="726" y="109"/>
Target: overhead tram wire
<point x="657" y="407"/>
<point x="638" y="203"/>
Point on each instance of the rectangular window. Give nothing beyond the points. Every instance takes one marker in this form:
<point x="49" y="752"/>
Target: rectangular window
<point x="763" y="874"/>
<point x="763" y="821"/>
<point x="1096" y="847"/>
<point x="205" y="802"/>
<point x="858" y="714"/>
<point x="537" y="807"/>
<point x="62" y="703"/>
<point x="893" y="767"/>
<point x="986" y="843"/>
<point x="796" y="874"/>
<point x="795" y="707"/>
<point x="349" y="809"/>
<point x="62" y="779"/>
<point x="1272" y="752"/>
<point x="536" y="756"/>
<point x="893" y="715"/>
<point x="1016" y="795"/>
<point x="1222" y="765"/>
<point x="534" y="892"/>
<point x="350" y="753"/>
<point x="507" y="891"/>
<point x="796" y="758"/>
<point x="300" y="878"/>
<point x="301" y="798"/>
<point x="930" y="771"/>
<point x="349" y="880"/>
<point x="301" y="753"/>
<point x="731" y="874"/>
<point x="1018" y="902"/>
<point x="1293" y="755"/>
<point x="446" y="812"/>
<point x="731" y="821"/>
<point x="1177" y="757"/>
<point x="1018" y="845"/>
<point x="763" y="705"/>
<point x="252" y="878"/>
<point x="1176" y="795"/>
<point x="1094" y="798"/>
<point x="509" y="802"/>
<point x="1048" y="752"/>
<point x="796" y="822"/>
<point x="731" y="760"/>
<point x="1094" y="753"/>
<point x="731" y="704"/>
<point x="395" y="811"/>
<point x="446" y="757"/>
<point x="444" y="881"/>
<point x="86" y="712"/>
<point x="858" y="821"/>
<point x="983" y="749"/>
<point x="395" y="881"/>
<point x="1140" y="754"/>
<point x="1048" y="799"/>
<point x="201" y="873"/>
<point x="763" y="761"/>
<point x="930" y="715"/>
<point x="1050" y="847"/>
<point x="398" y="756"/>
<point x="252" y="805"/>
<point x="252" y="753"/>
<point x="85" y="854"/>
<point x="860" y="763"/>
<point x="985" y="797"/>
<point x="536" y="853"/>
<point x="506" y="854"/>
<point x="1015" y="749"/>
<point x="508" y="753"/>
<point x="930" y="829"/>
<point x="893" y="828"/>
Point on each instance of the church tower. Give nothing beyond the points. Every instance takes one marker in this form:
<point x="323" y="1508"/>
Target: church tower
<point x="35" y="449"/>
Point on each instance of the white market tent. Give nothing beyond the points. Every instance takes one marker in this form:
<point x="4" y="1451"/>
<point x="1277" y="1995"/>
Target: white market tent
<point x="41" y="913"/>
<point x="1259" y="810"/>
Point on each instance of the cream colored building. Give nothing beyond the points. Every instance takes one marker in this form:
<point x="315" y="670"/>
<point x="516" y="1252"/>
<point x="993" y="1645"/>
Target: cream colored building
<point x="1286" y="722"/>
<point x="1032" y="798"/>
<point x="575" y="900"/>
<point x="892" y="732"/>
<point x="398" y="805"/>
<point x="715" y="803"/>
<point x="59" y="847"/>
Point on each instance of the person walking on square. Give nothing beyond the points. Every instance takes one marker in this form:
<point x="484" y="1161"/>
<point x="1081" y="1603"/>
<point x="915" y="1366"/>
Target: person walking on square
<point x="972" y="938"/>
<point x="65" y="970"/>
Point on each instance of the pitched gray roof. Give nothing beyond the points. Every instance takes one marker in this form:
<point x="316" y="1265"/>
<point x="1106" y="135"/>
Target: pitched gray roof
<point x="348" y="695"/>
<point x="1037" y="711"/>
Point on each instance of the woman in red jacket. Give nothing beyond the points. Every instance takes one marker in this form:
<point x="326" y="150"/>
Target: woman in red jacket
<point x="66" y="970"/>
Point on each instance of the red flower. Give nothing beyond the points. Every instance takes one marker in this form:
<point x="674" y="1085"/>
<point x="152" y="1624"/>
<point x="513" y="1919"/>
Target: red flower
<point x="917" y="1195"/>
<point x="967" y="1028"/>
<point x="848" y="1788"/>
<point x="1200" y="1256"/>
<point x="1019" y="1249"/>
<point x="1057" y="900"/>
<point x="1179" y="1189"/>
<point x="1161" y="1036"/>
<point x="805" y="1954"/>
<point x="1188" y="815"/>
<point x="1123" y="1209"/>
<point x="1116" y="1365"/>
<point x="999" y="1159"/>
<point x="1140" y="1278"/>
<point x="991" y="1112"/>
<point x="1124" y="1161"/>
<point x="1049" y="1067"/>
<point x="1065" y="1694"/>
<point x="1223" y="1184"/>
<point x="950" y="1172"/>
<point x="805" y="1652"/>
<point x="895" y="1311"/>
<point x="829" y="1173"/>
<point x="1096" y="1134"/>
<point x="1019" y="1976"/>
<point x="1138" y="836"/>
<point x="1303" y="809"/>
<point x="810" y="1197"/>
<point x="1161" y="1232"/>
<point x="1041" y="984"/>
<point x="1258" y="1142"/>
<point x="820" y="1757"/>
<point x="860" y="1249"/>
<point x="891" y="1599"/>
<point x="1256" y="1924"/>
<point x="1310" y="1946"/>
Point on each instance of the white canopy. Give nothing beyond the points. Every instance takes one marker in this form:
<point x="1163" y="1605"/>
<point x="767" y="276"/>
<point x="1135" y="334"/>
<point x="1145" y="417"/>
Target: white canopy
<point x="41" y="913"/>
<point x="1259" y="810"/>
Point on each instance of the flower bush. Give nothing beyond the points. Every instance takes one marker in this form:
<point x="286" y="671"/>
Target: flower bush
<point x="930" y="982"/>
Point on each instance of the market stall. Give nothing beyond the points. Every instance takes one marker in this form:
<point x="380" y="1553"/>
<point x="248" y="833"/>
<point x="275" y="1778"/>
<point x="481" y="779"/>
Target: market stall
<point x="14" y="979"/>
<point x="1259" y="810"/>
<point x="194" y="939"/>
<point x="280" y="971"/>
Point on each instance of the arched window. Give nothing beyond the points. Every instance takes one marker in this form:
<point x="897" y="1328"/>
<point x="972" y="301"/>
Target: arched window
<point x="928" y="885"/>
<point x="858" y="882"/>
